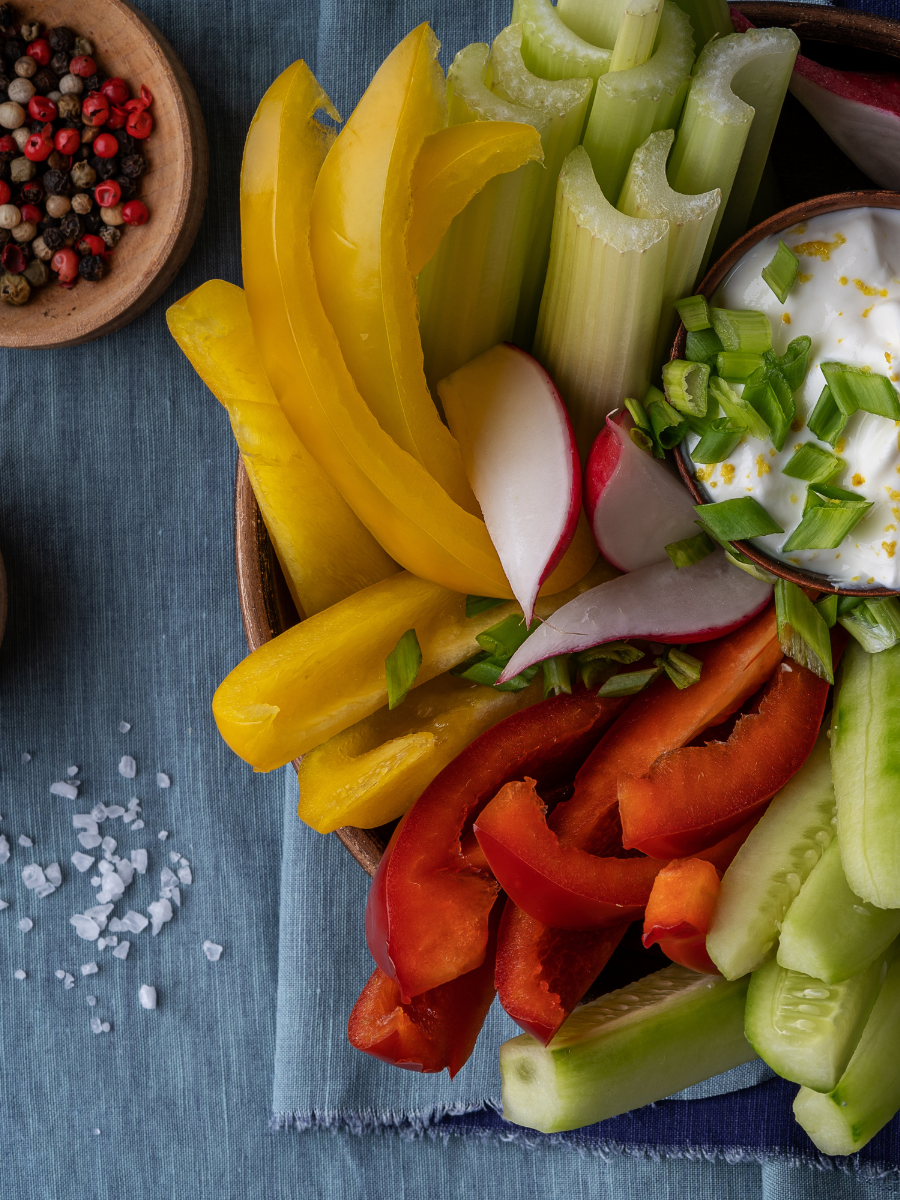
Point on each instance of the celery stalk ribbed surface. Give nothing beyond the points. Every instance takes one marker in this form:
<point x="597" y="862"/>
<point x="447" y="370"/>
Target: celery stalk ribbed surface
<point x="646" y="193"/>
<point x="601" y="304"/>
<point x="630" y="105"/>
<point x="636" y="38"/>
<point x="597" y="21"/>
<point x="710" y="18"/>
<point x="729" y="118"/>
<point x="549" y="47"/>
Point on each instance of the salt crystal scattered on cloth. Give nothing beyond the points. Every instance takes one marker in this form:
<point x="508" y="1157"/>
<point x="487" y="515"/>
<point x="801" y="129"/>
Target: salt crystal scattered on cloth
<point x="132" y="922"/>
<point x="135" y="804"/>
<point x="174" y="856"/>
<point x="212" y="951"/>
<point x="121" y="951"/>
<point x="96" y="881"/>
<point x="90" y="968"/>
<point x="103" y="942"/>
<point x="26" y="924"/>
<point x="112" y="888"/>
<point x="115" y="810"/>
<point x="109" y="843"/>
<point x="184" y="874"/>
<point x="124" y="727"/>
<point x="161" y="912"/>
<point x="86" y="822"/>
<point x="125" y="871"/>
<point x="138" y="825"/>
<point x="32" y="875"/>
<point x="92" y="1000"/>
<point x="82" y="861"/>
<point x="60" y="974"/>
<point x="85" y="927"/>
<point x="26" y="757"/>
<point x="69" y="981"/>
<point x="4" y="904"/>
<point x="99" y="913"/>
<point x="20" y="974"/>
<point x="71" y="771"/>
<point x="163" y="834"/>
<point x="147" y="996"/>
<point x="69" y="791"/>
<point x="54" y="874"/>
<point x="4" y="849"/>
<point x="163" y="780"/>
<point x="167" y="878"/>
<point x="127" y="767"/>
<point x="98" y="812"/>
<point x="90" y="840"/>
<point x="139" y="861"/>
<point x="96" y="1025"/>
<point x="129" y="817"/>
<point x="24" y="840"/>
<point x="45" y="889"/>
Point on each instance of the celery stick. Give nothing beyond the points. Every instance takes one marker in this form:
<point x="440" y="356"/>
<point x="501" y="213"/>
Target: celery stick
<point x="627" y="1049"/>
<point x="806" y="1029"/>
<point x="601" y="303"/>
<point x="710" y="18"/>
<point x="828" y="931"/>
<point x="597" y="21"/>
<point x="646" y="193"/>
<point x="865" y="756"/>
<point x="868" y="1093"/>
<point x="629" y="105"/>
<point x="551" y="50"/>
<point x="637" y="34"/>
<point x="720" y="142"/>
<point x="495" y="252"/>
<point x="767" y="871"/>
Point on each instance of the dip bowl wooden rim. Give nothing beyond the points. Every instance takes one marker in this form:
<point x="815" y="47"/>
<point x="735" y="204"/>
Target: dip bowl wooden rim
<point x="148" y="257"/>
<point x="778" y="223"/>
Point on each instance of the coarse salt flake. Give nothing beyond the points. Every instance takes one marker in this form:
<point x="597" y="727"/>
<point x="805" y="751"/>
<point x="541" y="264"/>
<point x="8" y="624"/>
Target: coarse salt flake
<point x="26" y="924"/>
<point x="160" y="911"/>
<point x="32" y="875"/>
<point x="71" y="771"/>
<point x="124" y="727"/>
<point x="138" y="825"/>
<point x="121" y="951"/>
<point x="98" y="812"/>
<point x="54" y="874"/>
<point x="139" y="861"/>
<point x="44" y="889"/>
<point x="69" y="791"/>
<point x="163" y="780"/>
<point x="60" y="974"/>
<point x="90" y="968"/>
<point x="125" y="871"/>
<point x="69" y="981"/>
<point x="212" y="951"/>
<point x="82" y="861"/>
<point x="127" y="767"/>
<point x="99" y="913"/>
<point x="115" y="810"/>
<point x="85" y="927"/>
<point x="24" y="840"/>
<point x="20" y="974"/>
<point x="109" y="844"/>
<point x="147" y="996"/>
<point x="4" y="904"/>
<point x="90" y="840"/>
<point x="92" y="1001"/>
<point x="4" y="849"/>
<point x="163" y="834"/>
<point x="26" y="757"/>
<point x="184" y="874"/>
<point x="86" y="822"/>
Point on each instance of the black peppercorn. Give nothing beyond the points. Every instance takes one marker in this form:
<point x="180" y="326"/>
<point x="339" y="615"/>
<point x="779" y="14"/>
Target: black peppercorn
<point x="93" y="223"/>
<point x="72" y="226"/>
<point x="5" y="235"/>
<point x="61" y="39"/>
<point x="49" y="223"/>
<point x="92" y="267"/>
<point x="59" y="64"/>
<point x="32" y="192"/>
<point x="105" y="167"/>
<point x="4" y="81"/>
<point x="13" y="48"/>
<point x="94" y="82"/>
<point x="59" y="162"/>
<point x="45" y="81"/>
<point x="53" y="238"/>
<point x="111" y="235"/>
<point x="125" y="140"/>
<point x="127" y="187"/>
<point x="7" y="16"/>
<point x="36" y="126"/>
<point x="57" y="183"/>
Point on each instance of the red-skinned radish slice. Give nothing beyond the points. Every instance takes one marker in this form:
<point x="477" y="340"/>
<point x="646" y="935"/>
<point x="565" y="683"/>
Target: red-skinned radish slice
<point x="635" y="506"/>
<point x="859" y="110"/>
<point x="521" y="459"/>
<point x="659" y="602"/>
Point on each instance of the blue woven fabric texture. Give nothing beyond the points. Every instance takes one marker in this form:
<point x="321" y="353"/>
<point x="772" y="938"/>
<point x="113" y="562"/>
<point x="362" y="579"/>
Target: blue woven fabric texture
<point x="116" y="529"/>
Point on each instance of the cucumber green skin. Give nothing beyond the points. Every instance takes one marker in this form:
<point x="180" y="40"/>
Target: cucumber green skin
<point x="868" y="1093"/>
<point x="803" y="1035"/>
<point x="769" y="868"/>
<point x="865" y="755"/>
<point x="647" y="1054"/>
<point x="829" y="932"/>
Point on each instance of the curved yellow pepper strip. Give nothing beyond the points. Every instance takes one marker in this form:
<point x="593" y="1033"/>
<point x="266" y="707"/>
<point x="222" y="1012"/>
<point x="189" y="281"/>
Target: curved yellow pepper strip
<point x="357" y="235"/>
<point x="325" y="674"/>
<point x="453" y="165"/>
<point x="393" y="495"/>
<point x="324" y="549"/>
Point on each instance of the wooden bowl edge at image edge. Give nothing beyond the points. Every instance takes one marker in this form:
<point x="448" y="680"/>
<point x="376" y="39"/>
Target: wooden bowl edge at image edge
<point x="127" y="298"/>
<point x="258" y="572"/>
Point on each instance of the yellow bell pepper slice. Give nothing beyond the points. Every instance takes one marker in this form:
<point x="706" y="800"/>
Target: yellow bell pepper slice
<point x="375" y="771"/>
<point x="327" y="673"/>
<point x="454" y="164"/>
<point x="405" y="508"/>
<point x="325" y="551"/>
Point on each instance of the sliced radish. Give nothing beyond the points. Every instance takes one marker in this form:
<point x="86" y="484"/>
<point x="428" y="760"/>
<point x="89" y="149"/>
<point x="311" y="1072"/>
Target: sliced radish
<point x="635" y="506"/>
<point x="659" y="602"/>
<point x="521" y="459"/>
<point x="859" y="110"/>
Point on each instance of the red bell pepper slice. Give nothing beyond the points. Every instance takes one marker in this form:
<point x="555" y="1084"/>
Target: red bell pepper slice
<point x="427" y="914"/>
<point x="663" y="718"/>
<point x="696" y="795"/>
<point x="434" y="1030"/>
<point x="557" y="885"/>
<point x="679" y="911"/>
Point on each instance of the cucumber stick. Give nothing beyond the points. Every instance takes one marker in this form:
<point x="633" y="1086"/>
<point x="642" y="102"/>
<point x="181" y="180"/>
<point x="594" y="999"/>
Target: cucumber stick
<point x="868" y="1093"/>
<point x="627" y="1049"/>
<point x="769" y="868"/>
<point x="829" y="932"/>
<point x="805" y="1029"/>
<point x="865" y="755"/>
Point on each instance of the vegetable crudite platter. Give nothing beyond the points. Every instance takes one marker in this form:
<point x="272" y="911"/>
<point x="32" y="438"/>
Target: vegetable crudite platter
<point x="578" y="735"/>
<point x="121" y="209"/>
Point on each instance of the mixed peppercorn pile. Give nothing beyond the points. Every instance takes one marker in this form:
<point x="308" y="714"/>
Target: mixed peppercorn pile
<point x="71" y="158"/>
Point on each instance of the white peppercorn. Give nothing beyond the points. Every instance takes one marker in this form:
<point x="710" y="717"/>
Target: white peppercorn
<point x="112" y="216"/>
<point x="82" y="45"/>
<point x="83" y="175"/>
<point x="10" y="216"/>
<point x="69" y="107"/>
<point x="88" y="133"/>
<point x="55" y="96"/>
<point x="20" y="136"/>
<point x="21" y="170"/>
<point x="25" y="231"/>
<point x="82" y="203"/>
<point x="71" y="85"/>
<point x="41" y="249"/>
<point x="20" y="90"/>
<point x="37" y="273"/>
<point x="29" y="30"/>
<point x="25" y="67"/>
<point x="57" y="206"/>
<point x="110" y="235"/>
<point x="14" y="289"/>
<point x="11" y="115"/>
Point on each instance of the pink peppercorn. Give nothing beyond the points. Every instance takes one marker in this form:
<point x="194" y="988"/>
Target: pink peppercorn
<point x="134" y="212"/>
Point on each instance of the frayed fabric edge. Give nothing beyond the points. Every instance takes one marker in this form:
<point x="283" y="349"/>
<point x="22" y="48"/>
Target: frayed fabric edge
<point x="429" y="1124"/>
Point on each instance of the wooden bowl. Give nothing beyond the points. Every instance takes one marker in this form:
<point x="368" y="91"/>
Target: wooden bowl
<point x="148" y="257"/>
<point x="808" y="165"/>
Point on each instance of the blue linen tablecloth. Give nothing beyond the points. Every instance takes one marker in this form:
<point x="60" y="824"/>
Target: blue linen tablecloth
<point x="115" y="525"/>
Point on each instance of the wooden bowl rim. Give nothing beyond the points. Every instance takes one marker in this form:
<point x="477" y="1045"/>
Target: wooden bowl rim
<point x="794" y="215"/>
<point x="134" y="295"/>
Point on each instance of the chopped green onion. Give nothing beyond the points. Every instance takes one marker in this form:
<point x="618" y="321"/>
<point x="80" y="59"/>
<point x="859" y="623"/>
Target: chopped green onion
<point x="703" y="346"/>
<point x="694" y="313"/>
<point x="828" y="608"/>
<point x="737" y="408"/>
<point x="794" y="362"/>
<point x="853" y="388"/>
<point x="682" y="668"/>
<point x="874" y="623"/>
<point x="486" y="669"/>
<point x="781" y="273"/>
<point x="685" y="384"/>
<point x="813" y="464"/>
<point x="641" y="431"/>
<point x="846" y="604"/>
<point x="669" y="427"/>
<point x="737" y="559"/>
<point x="504" y="639"/>
<point x="802" y="630"/>
<point x="737" y="364"/>
<point x="480" y="604"/>
<point x="718" y="441"/>
<point x="556" y="676"/>
<point x="736" y="520"/>
<point x="828" y="516"/>
<point x="827" y="421"/>
<point x="742" y="329"/>
<point x="760" y="395"/>
<point x="629" y="682"/>
<point x="597" y="664"/>
<point x="401" y="667"/>
<point x="690" y="550"/>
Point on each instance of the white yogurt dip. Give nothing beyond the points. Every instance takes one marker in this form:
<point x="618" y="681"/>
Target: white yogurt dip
<point x="847" y="300"/>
